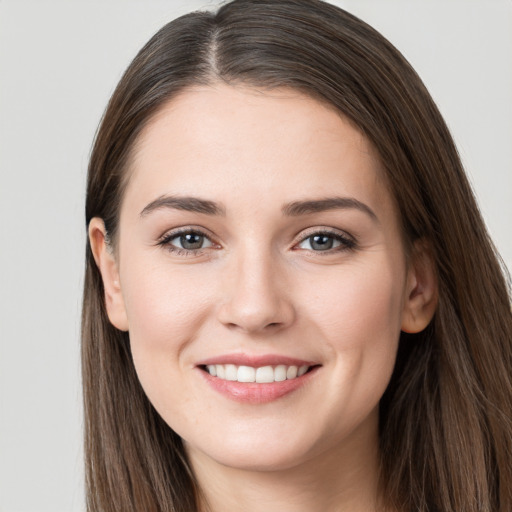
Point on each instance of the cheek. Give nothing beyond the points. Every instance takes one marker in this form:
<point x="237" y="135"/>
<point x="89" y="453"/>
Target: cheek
<point x="358" y="312"/>
<point x="362" y="299"/>
<point x="166" y="308"/>
<point x="164" y="301"/>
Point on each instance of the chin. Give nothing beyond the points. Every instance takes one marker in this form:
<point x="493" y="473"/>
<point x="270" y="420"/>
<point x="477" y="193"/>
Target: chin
<point x="259" y="453"/>
<point x="259" y="462"/>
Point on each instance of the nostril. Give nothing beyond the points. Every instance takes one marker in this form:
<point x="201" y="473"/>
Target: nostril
<point x="252" y="311"/>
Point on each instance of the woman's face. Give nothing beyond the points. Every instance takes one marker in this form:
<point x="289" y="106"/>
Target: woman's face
<point x="258" y="241"/>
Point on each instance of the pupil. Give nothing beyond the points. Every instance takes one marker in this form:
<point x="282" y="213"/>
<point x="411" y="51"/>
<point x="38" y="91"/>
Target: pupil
<point x="321" y="242"/>
<point x="191" y="241"/>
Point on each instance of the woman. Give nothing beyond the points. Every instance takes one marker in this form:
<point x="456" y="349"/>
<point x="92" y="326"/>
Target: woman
<point x="291" y="301"/>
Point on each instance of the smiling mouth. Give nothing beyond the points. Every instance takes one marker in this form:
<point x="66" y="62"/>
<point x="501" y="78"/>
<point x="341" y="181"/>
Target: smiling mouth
<point x="257" y="379"/>
<point x="260" y="375"/>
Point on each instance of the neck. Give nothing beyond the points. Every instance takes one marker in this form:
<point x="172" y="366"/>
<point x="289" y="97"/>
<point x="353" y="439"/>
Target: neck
<point x="343" y="478"/>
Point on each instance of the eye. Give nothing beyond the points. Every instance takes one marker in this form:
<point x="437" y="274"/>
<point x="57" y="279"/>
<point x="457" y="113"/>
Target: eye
<point x="188" y="241"/>
<point x="326" y="241"/>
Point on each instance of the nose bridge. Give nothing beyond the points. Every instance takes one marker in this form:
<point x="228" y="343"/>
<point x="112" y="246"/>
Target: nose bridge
<point x="255" y="295"/>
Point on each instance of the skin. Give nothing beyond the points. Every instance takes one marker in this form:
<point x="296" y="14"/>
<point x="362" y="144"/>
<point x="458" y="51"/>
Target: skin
<point x="259" y="287"/>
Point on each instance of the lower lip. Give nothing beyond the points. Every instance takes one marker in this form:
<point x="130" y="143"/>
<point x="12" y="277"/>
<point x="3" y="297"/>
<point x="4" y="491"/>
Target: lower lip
<point x="254" y="393"/>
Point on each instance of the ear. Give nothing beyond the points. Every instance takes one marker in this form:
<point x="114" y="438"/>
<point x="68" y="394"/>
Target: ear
<point x="107" y="265"/>
<point x="421" y="292"/>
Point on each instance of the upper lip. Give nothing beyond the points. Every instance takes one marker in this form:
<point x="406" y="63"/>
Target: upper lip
<point x="255" y="361"/>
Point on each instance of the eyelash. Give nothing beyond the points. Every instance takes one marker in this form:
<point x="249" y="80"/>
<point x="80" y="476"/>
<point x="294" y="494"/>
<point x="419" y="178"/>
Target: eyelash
<point x="165" y="242"/>
<point x="346" y="243"/>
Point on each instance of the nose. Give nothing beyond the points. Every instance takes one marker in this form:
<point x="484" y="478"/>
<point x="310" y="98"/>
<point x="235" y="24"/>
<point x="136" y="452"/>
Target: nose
<point x="256" y="296"/>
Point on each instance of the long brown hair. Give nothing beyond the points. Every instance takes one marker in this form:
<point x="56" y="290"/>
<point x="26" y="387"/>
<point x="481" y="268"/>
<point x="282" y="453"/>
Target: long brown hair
<point x="446" y="417"/>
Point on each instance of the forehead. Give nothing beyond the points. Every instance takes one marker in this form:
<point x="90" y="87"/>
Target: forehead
<point x="239" y="142"/>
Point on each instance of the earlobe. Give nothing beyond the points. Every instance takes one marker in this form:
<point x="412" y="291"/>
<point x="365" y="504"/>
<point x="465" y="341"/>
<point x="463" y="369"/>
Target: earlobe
<point x="421" y="292"/>
<point x="107" y="265"/>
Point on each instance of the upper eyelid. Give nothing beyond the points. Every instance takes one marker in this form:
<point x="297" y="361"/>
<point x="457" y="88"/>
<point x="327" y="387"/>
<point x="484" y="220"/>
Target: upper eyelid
<point x="304" y="234"/>
<point x="175" y="232"/>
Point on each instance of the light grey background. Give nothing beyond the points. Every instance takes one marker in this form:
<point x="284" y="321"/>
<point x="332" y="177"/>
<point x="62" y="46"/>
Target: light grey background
<point x="59" y="63"/>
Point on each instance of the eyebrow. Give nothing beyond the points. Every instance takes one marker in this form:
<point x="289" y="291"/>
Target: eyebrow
<point x="189" y="204"/>
<point x="297" y="208"/>
<point x="293" y="209"/>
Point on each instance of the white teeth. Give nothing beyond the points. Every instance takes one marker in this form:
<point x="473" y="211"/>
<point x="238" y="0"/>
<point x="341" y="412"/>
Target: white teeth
<point x="231" y="372"/>
<point x="280" y="373"/>
<point x="220" y="371"/>
<point x="246" y="374"/>
<point x="302" y="370"/>
<point x="262" y="375"/>
<point x="265" y="374"/>
<point x="291" y="373"/>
